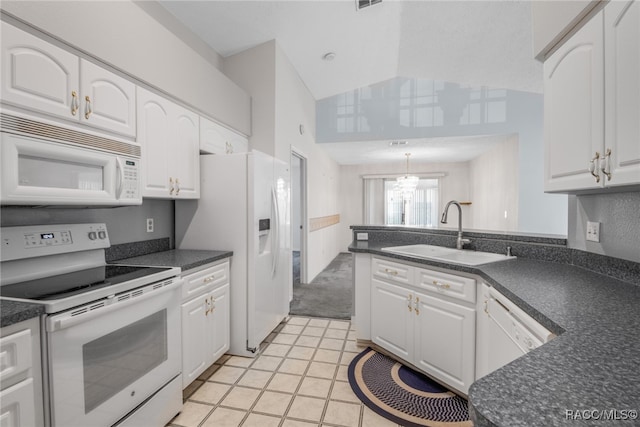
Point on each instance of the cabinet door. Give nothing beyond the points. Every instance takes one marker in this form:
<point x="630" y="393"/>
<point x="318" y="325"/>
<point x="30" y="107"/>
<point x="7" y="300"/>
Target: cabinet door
<point x="184" y="166"/>
<point x="445" y="341"/>
<point x="108" y="101"/>
<point x="574" y="109"/>
<point x="212" y="137"/>
<point x="622" y="91"/>
<point x="219" y="319"/>
<point x="38" y="75"/>
<point x="195" y="339"/>
<point x="17" y="408"/>
<point x="392" y="318"/>
<point x="154" y="136"/>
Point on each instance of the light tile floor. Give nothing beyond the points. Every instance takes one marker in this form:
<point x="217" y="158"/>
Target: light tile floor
<point x="299" y="380"/>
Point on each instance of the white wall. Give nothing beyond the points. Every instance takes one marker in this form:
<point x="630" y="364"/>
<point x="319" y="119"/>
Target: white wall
<point x="296" y="213"/>
<point x="280" y="104"/>
<point x="123" y="35"/>
<point x="453" y="186"/>
<point x="254" y="70"/>
<point x="493" y="181"/>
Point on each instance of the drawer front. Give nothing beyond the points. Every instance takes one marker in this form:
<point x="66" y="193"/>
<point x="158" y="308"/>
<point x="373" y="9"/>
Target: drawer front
<point x="15" y="354"/>
<point x="460" y="288"/>
<point x="205" y="280"/>
<point x="389" y="270"/>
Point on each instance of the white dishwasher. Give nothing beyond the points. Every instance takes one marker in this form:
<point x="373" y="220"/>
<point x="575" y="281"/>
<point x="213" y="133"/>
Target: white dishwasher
<point x="505" y="332"/>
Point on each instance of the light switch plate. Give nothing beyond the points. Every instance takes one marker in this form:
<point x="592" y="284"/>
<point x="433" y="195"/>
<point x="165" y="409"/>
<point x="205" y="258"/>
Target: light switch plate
<point x="593" y="231"/>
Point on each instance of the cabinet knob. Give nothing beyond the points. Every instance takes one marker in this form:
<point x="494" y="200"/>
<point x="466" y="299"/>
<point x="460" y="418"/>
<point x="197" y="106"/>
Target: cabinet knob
<point x="171" y="189"/>
<point x="605" y="164"/>
<point x="593" y="167"/>
<point x="87" y="108"/>
<point x="75" y="103"/>
<point x="441" y="286"/>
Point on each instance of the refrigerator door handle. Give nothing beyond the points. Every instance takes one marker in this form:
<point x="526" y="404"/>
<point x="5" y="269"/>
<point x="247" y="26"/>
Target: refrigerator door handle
<point x="275" y="243"/>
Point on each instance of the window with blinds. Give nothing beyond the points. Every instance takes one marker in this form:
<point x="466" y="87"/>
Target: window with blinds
<point x="419" y="207"/>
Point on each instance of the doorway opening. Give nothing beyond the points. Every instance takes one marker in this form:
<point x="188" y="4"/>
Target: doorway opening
<point x="298" y="218"/>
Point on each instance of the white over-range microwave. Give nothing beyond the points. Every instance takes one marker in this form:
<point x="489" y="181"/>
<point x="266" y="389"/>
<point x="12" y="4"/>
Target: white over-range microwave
<point x="44" y="163"/>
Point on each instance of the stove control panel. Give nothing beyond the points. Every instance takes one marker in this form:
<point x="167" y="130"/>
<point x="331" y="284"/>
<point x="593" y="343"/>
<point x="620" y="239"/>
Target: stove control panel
<point x="40" y="240"/>
<point x="49" y="238"/>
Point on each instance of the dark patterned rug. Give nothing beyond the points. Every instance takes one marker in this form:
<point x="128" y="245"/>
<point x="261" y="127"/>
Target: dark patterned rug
<point x="403" y="395"/>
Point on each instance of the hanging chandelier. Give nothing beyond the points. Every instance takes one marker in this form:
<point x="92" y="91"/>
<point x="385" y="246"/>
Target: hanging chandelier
<point x="408" y="183"/>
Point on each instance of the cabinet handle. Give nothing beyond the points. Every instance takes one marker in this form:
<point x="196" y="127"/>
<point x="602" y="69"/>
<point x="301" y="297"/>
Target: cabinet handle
<point x="605" y="164"/>
<point x="486" y="306"/>
<point x="441" y="286"/>
<point x="87" y="108"/>
<point x="75" y="103"/>
<point x="593" y="168"/>
<point x="391" y="272"/>
<point x="177" y="187"/>
<point x="409" y="298"/>
<point x="213" y="304"/>
<point x="206" y="301"/>
<point x="171" y="189"/>
<point x="415" y="306"/>
<point x="228" y="148"/>
<point x="209" y="279"/>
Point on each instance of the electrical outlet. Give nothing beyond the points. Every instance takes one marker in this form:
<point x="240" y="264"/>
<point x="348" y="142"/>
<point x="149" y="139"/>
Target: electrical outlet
<point x="149" y="225"/>
<point x="593" y="231"/>
<point x="362" y="236"/>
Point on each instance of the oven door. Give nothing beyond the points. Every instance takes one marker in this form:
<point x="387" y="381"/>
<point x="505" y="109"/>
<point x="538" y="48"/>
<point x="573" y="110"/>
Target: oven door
<point x="106" y="358"/>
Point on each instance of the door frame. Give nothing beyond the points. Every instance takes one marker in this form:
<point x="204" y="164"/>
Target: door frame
<point x="304" y="221"/>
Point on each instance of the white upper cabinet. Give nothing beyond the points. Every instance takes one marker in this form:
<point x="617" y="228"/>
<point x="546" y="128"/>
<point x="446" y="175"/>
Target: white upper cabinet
<point x="216" y="139"/>
<point x="622" y="91"/>
<point x="39" y="76"/>
<point x="168" y="135"/>
<point x="592" y="104"/>
<point x="108" y="101"/>
<point x="574" y="109"/>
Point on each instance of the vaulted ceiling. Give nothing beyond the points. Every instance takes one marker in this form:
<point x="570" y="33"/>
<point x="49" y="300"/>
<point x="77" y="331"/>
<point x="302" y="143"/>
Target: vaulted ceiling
<point x="473" y="43"/>
<point x="479" y="43"/>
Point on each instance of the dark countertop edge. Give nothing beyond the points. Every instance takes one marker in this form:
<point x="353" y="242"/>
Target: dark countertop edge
<point x="18" y="311"/>
<point x="186" y="259"/>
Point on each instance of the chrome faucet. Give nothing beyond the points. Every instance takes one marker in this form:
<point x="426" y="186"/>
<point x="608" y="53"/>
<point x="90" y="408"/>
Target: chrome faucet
<point x="460" y="242"/>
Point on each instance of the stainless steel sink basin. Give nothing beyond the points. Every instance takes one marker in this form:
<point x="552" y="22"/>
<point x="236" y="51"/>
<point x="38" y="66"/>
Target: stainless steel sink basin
<point x="455" y="256"/>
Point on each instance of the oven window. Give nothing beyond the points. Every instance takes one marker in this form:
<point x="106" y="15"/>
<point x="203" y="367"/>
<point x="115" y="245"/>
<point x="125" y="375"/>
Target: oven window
<point x="114" y="361"/>
<point x="52" y="173"/>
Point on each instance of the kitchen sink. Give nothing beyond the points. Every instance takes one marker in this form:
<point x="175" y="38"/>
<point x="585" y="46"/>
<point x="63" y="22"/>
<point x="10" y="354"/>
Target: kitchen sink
<point x="455" y="256"/>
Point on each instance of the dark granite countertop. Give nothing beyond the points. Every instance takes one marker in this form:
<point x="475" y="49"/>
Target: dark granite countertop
<point x="591" y="365"/>
<point x="18" y="311"/>
<point x="186" y="259"/>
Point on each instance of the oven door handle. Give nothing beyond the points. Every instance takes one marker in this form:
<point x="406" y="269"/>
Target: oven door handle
<point x="68" y="319"/>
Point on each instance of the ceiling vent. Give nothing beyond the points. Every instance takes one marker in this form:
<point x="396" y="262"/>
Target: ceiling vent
<point x="361" y="4"/>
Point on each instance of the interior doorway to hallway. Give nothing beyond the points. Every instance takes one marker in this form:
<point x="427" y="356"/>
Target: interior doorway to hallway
<point x="298" y="218"/>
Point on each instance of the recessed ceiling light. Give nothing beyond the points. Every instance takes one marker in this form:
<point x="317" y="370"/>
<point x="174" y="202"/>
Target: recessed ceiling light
<point x="398" y="143"/>
<point x="329" y="56"/>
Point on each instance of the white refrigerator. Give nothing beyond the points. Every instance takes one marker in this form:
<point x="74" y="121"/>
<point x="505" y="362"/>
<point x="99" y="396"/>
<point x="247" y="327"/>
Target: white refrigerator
<point x="244" y="207"/>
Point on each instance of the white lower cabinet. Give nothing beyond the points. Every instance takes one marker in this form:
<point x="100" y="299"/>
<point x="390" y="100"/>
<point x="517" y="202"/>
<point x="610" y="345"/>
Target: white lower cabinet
<point x="21" y="403"/>
<point x="205" y="319"/>
<point x="432" y="330"/>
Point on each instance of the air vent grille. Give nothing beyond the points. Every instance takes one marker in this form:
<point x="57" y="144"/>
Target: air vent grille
<point x="361" y="4"/>
<point x="37" y="129"/>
